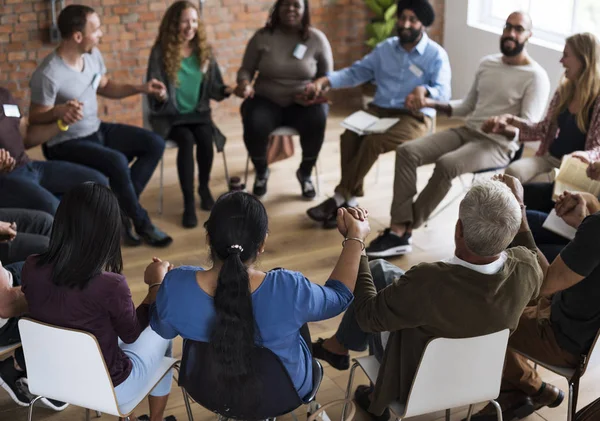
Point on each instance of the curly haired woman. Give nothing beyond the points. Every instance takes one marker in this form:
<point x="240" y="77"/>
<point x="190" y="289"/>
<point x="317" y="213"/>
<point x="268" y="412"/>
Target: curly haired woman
<point x="181" y="58"/>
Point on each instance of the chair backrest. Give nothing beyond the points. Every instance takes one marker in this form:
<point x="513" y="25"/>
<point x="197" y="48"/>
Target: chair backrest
<point x="278" y="394"/>
<point x="457" y="372"/>
<point x="593" y="356"/>
<point x="67" y="365"/>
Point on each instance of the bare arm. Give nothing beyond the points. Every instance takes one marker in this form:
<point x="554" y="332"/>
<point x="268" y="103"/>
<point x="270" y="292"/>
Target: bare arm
<point x="34" y="135"/>
<point x="114" y="90"/>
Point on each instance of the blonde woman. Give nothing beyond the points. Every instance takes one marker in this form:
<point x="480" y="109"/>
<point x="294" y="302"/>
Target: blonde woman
<point x="181" y="58"/>
<point x="572" y="122"/>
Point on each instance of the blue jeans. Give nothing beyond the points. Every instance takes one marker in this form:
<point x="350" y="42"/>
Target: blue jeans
<point x="145" y="354"/>
<point x="110" y="150"/>
<point x="549" y="243"/>
<point x="349" y="333"/>
<point x="37" y="184"/>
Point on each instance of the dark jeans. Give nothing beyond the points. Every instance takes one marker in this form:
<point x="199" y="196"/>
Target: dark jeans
<point x="9" y="333"/>
<point x="549" y="243"/>
<point x="37" y="184"/>
<point x="261" y="117"/>
<point x="33" y="234"/>
<point x="538" y="196"/>
<point x="349" y="333"/>
<point x="110" y="150"/>
<point x="186" y="136"/>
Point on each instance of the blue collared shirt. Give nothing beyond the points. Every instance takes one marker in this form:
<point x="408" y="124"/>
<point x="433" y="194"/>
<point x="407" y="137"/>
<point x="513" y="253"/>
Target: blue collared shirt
<point x="396" y="72"/>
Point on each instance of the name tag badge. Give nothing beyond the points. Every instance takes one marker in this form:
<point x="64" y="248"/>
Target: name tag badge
<point x="415" y="70"/>
<point x="299" y="51"/>
<point x="11" y="110"/>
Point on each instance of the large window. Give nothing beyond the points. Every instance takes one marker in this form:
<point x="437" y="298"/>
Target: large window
<point x="553" y="20"/>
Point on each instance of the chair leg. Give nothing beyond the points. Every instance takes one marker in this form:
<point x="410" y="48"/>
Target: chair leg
<point x="161" y="183"/>
<point x="31" y="405"/>
<point x="498" y="409"/>
<point x="317" y="178"/>
<point x="470" y="413"/>
<point x="349" y="388"/>
<point x="88" y="416"/>
<point x="246" y="172"/>
<point x="448" y="415"/>
<point x="573" y="395"/>
<point x="186" y="401"/>
<point x="98" y="414"/>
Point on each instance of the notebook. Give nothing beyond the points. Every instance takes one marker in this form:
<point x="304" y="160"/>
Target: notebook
<point x="572" y="177"/>
<point x="555" y="224"/>
<point x="364" y="123"/>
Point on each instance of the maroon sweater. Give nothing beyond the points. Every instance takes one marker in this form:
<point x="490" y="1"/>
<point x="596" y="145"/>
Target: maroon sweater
<point x="104" y="309"/>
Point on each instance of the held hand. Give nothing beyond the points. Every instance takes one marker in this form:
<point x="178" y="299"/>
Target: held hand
<point x="74" y="112"/>
<point x="4" y="278"/>
<point x="229" y="90"/>
<point x="577" y="214"/>
<point x="353" y="222"/>
<point x="154" y="87"/>
<point x="497" y="124"/>
<point x="593" y="170"/>
<point x="565" y="203"/>
<point x="244" y="90"/>
<point x="417" y="99"/>
<point x="156" y="271"/>
<point x="8" y="231"/>
<point x="7" y="162"/>
<point x="513" y="184"/>
<point x="319" y="87"/>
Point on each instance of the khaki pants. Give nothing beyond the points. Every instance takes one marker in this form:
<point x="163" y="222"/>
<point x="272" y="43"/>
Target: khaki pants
<point x="537" y="169"/>
<point x="454" y="152"/>
<point x="534" y="336"/>
<point x="359" y="153"/>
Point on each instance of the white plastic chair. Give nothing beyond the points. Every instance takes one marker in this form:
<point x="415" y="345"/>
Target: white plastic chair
<point x="67" y="365"/>
<point x="451" y="373"/>
<point x="285" y="131"/>
<point x="572" y="375"/>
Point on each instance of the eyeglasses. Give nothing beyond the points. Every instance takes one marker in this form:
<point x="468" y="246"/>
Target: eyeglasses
<point x="518" y="28"/>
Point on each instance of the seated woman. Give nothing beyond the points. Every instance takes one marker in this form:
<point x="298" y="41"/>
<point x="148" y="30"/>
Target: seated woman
<point x="572" y="122"/>
<point x="234" y="306"/>
<point x="78" y="284"/>
<point x="182" y="59"/>
<point x="287" y="54"/>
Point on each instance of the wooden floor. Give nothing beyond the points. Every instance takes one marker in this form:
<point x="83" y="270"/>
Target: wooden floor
<point x="296" y="243"/>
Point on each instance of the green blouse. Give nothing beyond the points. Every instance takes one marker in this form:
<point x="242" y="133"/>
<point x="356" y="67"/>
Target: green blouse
<point x="190" y="79"/>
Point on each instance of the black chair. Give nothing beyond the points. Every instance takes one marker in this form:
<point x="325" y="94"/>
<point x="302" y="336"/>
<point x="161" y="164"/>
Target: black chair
<point x="467" y="186"/>
<point x="277" y="393"/>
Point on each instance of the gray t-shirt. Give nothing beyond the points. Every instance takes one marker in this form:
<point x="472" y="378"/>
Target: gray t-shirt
<point x="54" y="83"/>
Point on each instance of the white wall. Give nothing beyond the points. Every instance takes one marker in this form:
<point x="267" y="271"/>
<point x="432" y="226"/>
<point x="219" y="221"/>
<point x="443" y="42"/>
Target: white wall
<point x="466" y="45"/>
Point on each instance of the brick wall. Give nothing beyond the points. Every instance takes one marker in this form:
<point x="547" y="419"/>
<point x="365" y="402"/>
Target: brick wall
<point x="130" y="27"/>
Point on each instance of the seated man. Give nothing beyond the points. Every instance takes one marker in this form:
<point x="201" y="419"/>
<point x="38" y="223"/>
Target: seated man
<point x="406" y="69"/>
<point x="482" y="289"/>
<point x="31" y="184"/>
<point x="510" y="82"/>
<point x="563" y="325"/>
<point x="63" y="92"/>
<point x="23" y="232"/>
<point x="12" y="370"/>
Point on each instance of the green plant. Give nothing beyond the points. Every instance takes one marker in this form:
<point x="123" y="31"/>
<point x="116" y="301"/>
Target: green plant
<point x="384" y="23"/>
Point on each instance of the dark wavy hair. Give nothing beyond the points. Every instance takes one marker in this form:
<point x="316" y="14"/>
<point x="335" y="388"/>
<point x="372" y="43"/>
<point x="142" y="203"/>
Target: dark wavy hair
<point x="73" y="18"/>
<point x="274" y="21"/>
<point x="236" y="229"/>
<point x="86" y="236"/>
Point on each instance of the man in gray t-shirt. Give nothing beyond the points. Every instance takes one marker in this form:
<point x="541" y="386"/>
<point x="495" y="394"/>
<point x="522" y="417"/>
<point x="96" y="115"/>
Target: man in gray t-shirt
<point x="64" y="89"/>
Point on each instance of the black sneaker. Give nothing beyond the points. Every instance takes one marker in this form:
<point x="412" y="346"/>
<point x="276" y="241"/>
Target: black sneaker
<point x="340" y="362"/>
<point x="155" y="237"/>
<point x="361" y="397"/>
<point x="323" y="211"/>
<point x="390" y="244"/>
<point x="11" y="381"/>
<point x="47" y="402"/>
<point x="260" y="184"/>
<point x="308" y="190"/>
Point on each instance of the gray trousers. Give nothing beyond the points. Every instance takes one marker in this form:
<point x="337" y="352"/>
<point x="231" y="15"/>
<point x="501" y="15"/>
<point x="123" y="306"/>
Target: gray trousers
<point x="349" y="333"/>
<point x="33" y="234"/>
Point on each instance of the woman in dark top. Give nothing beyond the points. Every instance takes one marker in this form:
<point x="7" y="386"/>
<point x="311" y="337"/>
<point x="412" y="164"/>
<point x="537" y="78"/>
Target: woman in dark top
<point x="288" y="54"/>
<point x="182" y="59"/>
<point x="78" y="284"/>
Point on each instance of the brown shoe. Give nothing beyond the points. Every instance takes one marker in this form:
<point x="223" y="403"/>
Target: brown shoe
<point x="322" y="212"/>
<point x="514" y="405"/>
<point x="548" y="395"/>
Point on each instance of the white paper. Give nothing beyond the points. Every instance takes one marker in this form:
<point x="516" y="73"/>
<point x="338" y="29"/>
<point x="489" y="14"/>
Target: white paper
<point x="364" y="123"/>
<point x="556" y="224"/>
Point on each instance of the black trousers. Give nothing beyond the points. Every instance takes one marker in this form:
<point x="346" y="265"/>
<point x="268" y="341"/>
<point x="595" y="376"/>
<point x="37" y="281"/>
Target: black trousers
<point x="186" y="136"/>
<point x="9" y="333"/>
<point x="33" y="234"/>
<point x="261" y="116"/>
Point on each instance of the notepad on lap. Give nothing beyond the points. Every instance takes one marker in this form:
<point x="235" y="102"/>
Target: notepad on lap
<point x="364" y="123"/>
<point x="572" y="177"/>
<point x="555" y="224"/>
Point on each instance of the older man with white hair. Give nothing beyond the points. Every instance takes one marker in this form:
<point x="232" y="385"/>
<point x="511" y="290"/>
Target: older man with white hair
<point x="482" y="289"/>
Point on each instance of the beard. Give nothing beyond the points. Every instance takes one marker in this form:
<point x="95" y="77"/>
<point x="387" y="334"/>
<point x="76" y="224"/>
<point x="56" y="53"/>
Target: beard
<point x="511" y="52"/>
<point x="408" y="35"/>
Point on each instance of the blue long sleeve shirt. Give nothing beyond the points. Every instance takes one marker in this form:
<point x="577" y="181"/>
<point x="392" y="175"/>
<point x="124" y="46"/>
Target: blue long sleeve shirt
<point x="282" y="304"/>
<point x="396" y="72"/>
